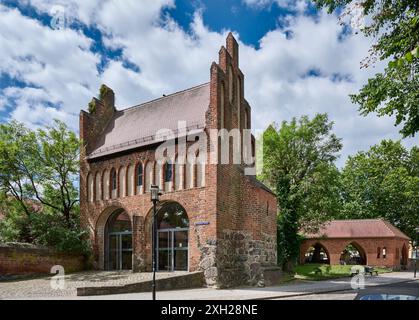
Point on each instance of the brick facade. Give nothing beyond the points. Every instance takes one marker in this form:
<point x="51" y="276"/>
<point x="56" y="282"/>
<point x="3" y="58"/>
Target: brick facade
<point x="232" y="217"/>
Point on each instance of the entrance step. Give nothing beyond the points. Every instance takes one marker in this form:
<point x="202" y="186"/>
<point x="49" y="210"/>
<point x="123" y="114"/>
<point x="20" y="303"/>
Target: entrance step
<point x="188" y="280"/>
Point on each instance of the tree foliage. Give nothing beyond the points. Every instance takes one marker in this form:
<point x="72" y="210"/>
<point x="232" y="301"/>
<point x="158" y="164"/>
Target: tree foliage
<point x="298" y="165"/>
<point x="41" y="165"/>
<point x="395" y="25"/>
<point x="383" y="183"/>
<point x="38" y="172"/>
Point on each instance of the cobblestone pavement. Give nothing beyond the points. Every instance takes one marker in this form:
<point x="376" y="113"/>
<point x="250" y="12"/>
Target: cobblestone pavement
<point x="41" y="286"/>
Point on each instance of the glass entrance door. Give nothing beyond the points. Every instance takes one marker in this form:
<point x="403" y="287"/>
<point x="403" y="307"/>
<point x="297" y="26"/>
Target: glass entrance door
<point x="172" y="248"/>
<point x="120" y="251"/>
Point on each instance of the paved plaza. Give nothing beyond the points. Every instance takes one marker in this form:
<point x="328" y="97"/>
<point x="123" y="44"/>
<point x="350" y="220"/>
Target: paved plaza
<point x="40" y="288"/>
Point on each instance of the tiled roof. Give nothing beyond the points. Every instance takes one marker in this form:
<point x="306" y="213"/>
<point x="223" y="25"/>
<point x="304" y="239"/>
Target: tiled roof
<point x="361" y="228"/>
<point x="136" y="126"/>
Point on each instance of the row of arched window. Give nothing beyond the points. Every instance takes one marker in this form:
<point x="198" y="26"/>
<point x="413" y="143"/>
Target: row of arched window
<point x="136" y="179"/>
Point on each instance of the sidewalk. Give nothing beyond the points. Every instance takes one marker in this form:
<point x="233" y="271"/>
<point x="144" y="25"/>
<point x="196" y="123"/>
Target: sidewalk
<point x="300" y="289"/>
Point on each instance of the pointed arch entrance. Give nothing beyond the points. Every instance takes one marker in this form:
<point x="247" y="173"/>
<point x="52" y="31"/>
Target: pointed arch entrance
<point x="118" y="241"/>
<point x="173" y="236"/>
<point x="403" y="261"/>
<point x="317" y="254"/>
<point x="353" y="254"/>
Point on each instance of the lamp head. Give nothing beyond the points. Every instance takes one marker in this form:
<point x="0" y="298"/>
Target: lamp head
<point x="154" y="192"/>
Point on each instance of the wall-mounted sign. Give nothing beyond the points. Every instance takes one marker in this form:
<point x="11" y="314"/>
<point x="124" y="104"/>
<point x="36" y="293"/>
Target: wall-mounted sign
<point x="202" y="223"/>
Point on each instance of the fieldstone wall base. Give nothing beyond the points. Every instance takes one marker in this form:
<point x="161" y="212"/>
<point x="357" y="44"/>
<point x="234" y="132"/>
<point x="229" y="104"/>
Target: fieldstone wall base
<point x="236" y="259"/>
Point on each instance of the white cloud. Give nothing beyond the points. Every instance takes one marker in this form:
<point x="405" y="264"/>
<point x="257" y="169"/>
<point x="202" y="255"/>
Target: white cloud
<point x="31" y="107"/>
<point x="60" y="64"/>
<point x="169" y="59"/>
<point x="277" y="90"/>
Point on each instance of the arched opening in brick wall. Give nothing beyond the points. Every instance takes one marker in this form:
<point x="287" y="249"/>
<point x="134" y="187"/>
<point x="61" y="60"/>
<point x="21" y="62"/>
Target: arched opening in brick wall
<point x="172" y="236"/>
<point x="317" y="254"/>
<point x="403" y="261"/>
<point x="353" y="254"/>
<point x="139" y="178"/>
<point x="168" y="176"/>
<point x="113" y="184"/>
<point x="118" y="241"/>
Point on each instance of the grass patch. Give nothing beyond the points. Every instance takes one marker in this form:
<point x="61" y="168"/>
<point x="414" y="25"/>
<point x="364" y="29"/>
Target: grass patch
<point x="315" y="271"/>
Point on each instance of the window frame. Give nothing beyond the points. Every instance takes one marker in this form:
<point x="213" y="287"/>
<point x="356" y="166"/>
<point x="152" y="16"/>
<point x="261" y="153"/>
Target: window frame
<point x="113" y="180"/>
<point x="167" y="167"/>
<point x="139" y="177"/>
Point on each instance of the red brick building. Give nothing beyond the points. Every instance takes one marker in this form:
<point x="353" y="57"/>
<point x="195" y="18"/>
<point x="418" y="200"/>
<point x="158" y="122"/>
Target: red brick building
<point x="211" y="217"/>
<point x="373" y="242"/>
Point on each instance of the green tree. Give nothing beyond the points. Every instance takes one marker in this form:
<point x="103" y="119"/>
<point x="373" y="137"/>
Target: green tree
<point x="395" y="25"/>
<point x="41" y="165"/>
<point x="38" y="172"/>
<point x="15" y="223"/>
<point x="298" y="164"/>
<point x="383" y="183"/>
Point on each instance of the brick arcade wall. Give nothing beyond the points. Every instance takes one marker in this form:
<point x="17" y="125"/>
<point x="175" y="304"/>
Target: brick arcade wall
<point x="24" y="260"/>
<point x="370" y="246"/>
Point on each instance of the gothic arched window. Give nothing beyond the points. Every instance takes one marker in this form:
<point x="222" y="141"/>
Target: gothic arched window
<point x="113" y="180"/>
<point x="139" y="175"/>
<point x="168" y="172"/>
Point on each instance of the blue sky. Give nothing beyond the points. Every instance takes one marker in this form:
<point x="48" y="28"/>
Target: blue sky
<point x="251" y="22"/>
<point x="296" y="60"/>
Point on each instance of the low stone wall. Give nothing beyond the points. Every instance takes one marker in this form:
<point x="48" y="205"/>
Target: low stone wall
<point x="24" y="259"/>
<point x="185" y="281"/>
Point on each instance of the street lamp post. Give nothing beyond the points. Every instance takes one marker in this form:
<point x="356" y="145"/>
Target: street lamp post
<point x="416" y="249"/>
<point x="154" y="191"/>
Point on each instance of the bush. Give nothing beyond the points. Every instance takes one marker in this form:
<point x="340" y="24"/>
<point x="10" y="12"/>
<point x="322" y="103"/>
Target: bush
<point x="46" y="228"/>
<point x="49" y="230"/>
<point x="15" y="226"/>
<point x="12" y="228"/>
